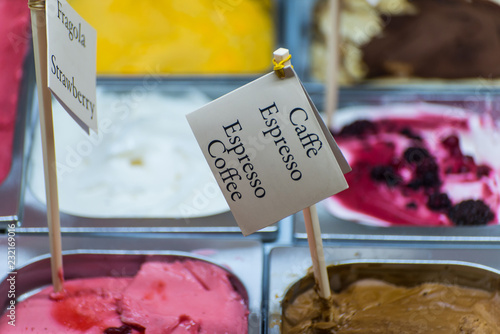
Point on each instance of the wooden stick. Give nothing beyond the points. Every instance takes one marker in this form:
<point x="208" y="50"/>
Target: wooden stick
<point x="38" y="27"/>
<point x="332" y="67"/>
<point x="312" y="224"/>
<point x="316" y="248"/>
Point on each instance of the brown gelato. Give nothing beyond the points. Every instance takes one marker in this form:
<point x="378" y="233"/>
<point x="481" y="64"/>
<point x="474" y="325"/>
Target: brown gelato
<point x="445" y="39"/>
<point x="449" y="39"/>
<point x="374" y="306"/>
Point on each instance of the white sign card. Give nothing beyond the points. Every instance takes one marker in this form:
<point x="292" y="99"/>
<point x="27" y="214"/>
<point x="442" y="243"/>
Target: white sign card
<point x="71" y="57"/>
<point x="269" y="150"/>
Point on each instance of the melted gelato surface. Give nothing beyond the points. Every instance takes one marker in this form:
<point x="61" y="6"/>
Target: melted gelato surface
<point x="419" y="164"/>
<point x="178" y="297"/>
<point x="373" y="306"/>
<point x="14" y="29"/>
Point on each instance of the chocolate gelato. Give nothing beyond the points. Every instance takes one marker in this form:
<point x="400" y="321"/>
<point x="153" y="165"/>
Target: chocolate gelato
<point x="416" y="39"/>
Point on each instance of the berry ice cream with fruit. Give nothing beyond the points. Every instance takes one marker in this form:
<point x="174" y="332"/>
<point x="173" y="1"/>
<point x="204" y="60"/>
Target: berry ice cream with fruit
<point x="417" y="164"/>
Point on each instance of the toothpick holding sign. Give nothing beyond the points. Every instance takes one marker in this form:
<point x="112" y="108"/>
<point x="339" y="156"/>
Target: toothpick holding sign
<point x="60" y="65"/>
<point x="269" y="150"/>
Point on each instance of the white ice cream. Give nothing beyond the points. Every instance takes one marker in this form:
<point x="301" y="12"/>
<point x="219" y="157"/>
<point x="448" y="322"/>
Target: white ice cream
<point x="145" y="161"/>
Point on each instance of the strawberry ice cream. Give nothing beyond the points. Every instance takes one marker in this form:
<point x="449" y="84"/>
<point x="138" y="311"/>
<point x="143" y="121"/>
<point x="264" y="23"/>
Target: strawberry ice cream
<point x="164" y="297"/>
<point x="14" y="29"/>
<point x="416" y="165"/>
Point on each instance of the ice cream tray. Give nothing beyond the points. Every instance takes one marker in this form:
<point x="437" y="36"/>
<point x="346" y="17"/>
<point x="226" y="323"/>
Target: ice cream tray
<point x="289" y="270"/>
<point x="34" y="219"/>
<point x="121" y="257"/>
<point x="298" y="27"/>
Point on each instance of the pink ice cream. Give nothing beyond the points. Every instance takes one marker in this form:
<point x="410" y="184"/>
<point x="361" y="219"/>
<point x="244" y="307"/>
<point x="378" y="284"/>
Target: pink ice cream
<point x="14" y="30"/>
<point x="180" y="297"/>
<point x="415" y="165"/>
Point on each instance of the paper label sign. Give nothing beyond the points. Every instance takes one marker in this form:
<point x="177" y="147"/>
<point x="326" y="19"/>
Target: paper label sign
<point x="71" y="56"/>
<point x="269" y="150"/>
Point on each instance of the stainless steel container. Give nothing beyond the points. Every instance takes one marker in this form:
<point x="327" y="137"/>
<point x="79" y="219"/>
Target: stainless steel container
<point x="298" y="33"/>
<point x="221" y="223"/>
<point x="334" y="228"/>
<point x="242" y="260"/>
<point x="289" y="270"/>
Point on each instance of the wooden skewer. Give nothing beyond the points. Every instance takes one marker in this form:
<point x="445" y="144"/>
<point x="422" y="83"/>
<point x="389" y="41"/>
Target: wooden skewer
<point x="332" y="67"/>
<point x="312" y="224"/>
<point x="38" y="27"/>
<point x="316" y="249"/>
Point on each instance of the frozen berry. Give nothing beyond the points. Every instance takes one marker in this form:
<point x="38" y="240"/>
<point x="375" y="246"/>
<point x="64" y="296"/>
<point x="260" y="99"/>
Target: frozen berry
<point x="439" y="202"/>
<point x="428" y="174"/>
<point x="415" y="155"/>
<point x="471" y="212"/>
<point x="407" y="132"/>
<point x="452" y="143"/>
<point x="412" y="206"/>
<point x="118" y="330"/>
<point x="358" y="129"/>
<point x="482" y="170"/>
<point x="385" y="174"/>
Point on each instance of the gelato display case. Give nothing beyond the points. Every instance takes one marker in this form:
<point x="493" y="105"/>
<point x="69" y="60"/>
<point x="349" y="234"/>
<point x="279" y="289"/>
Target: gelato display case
<point x="423" y="205"/>
<point x="143" y="170"/>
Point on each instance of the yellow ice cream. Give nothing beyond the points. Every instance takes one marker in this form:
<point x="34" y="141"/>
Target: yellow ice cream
<point x="180" y="36"/>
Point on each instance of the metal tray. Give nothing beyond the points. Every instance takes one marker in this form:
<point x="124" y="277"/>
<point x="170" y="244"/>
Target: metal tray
<point x="288" y="270"/>
<point x="35" y="220"/>
<point x="333" y="228"/>
<point x="122" y="256"/>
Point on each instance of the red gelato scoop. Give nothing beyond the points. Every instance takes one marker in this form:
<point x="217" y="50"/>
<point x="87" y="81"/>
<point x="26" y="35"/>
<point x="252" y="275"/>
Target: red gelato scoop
<point x="180" y="297"/>
<point x="14" y="32"/>
<point x="184" y="297"/>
